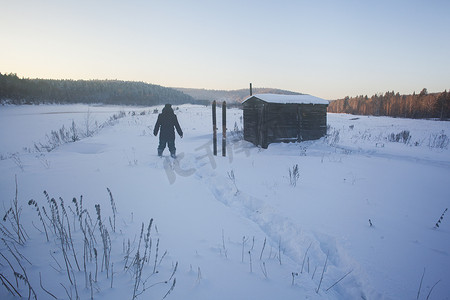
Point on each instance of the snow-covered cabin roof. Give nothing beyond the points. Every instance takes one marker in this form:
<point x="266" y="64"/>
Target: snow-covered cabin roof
<point x="288" y="99"/>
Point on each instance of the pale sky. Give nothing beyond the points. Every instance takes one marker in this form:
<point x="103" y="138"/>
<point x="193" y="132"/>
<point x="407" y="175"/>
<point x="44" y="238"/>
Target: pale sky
<point x="329" y="49"/>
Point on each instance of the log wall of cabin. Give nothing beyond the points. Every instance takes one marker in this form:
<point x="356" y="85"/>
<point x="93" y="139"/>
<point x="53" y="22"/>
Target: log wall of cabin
<point x="282" y="122"/>
<point x="266" y="123"/>
<point x="313" y="121"/>
<point x="253" y="111"/>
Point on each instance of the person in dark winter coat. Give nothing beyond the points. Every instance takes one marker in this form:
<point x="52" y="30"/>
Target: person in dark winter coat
<point x="166" y="123"/>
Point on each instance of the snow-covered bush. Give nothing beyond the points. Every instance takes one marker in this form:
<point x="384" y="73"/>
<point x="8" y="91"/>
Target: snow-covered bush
<point x="333" y="136"/>
<point x="438" y="140"/>
<point x="63" y="136"/>
<point x="401" y="137"/>
<point x="237" y="134"/>
<point x="83" y="254"/>
<point x="113" y="119"/>
<point x="58" y="137"/>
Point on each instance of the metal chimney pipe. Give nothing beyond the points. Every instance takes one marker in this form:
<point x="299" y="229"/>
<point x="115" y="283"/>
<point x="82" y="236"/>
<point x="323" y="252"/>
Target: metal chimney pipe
<point x="251" y="93"/>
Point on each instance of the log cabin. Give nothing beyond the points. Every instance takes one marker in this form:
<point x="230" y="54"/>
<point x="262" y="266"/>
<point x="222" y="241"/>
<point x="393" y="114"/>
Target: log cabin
<point x="273" y="118"/>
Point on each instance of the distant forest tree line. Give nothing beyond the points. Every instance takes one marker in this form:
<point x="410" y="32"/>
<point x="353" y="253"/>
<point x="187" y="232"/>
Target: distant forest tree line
<point x="17" y="90"/>
<point x="422" y="105"/>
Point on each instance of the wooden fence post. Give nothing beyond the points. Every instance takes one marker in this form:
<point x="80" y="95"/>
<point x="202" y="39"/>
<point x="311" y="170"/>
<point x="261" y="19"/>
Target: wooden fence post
<point x="214" y="119"/>
<point x="224" y="128"/>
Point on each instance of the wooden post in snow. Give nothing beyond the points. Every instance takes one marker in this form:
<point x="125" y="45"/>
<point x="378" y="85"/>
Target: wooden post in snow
<point x="214" y="119"/>
<point x="224" y="128"/>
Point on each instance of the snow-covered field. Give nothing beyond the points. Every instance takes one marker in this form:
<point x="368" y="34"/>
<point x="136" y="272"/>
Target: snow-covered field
<point x="235" y="227"/>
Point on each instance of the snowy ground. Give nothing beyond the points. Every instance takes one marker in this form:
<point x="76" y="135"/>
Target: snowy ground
<point x="233" y="227"/>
